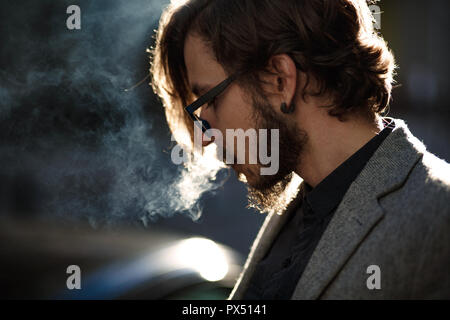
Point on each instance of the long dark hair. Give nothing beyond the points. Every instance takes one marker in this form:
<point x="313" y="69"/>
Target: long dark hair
<point x="332" y="41"/>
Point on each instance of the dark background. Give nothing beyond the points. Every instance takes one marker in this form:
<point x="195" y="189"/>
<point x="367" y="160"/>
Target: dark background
<point x="76" y="149"/>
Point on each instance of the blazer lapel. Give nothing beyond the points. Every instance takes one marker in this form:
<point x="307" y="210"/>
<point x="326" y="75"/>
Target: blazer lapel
<point x="359" y="211"/>
<point x="352" y="221"/>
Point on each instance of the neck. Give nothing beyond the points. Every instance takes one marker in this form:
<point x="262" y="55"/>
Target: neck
<point x="328" y="148"/>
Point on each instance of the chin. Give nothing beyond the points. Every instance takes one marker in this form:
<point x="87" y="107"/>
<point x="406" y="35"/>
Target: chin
<point x="247" y="176"/>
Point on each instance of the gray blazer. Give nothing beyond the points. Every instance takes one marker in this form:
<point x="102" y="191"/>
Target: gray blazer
<point x="395" y="215"/>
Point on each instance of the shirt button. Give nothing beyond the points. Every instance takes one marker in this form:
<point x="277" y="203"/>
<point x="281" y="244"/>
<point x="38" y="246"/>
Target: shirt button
<point x="287" y="262"/>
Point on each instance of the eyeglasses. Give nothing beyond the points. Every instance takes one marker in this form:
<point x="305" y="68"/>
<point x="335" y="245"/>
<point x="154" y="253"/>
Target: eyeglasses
<point x="206" y="98"/>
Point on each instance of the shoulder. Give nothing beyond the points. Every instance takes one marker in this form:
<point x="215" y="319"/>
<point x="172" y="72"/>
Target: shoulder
<point x="436" y="172"/>
<point x="425" y="187"/>
<point x="428" y="186"/>
<point x="417" y="215"/>
<point x="410" y="244"/>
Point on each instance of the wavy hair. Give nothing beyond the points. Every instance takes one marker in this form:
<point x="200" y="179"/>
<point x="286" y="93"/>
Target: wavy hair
<point x="332" y="41"/>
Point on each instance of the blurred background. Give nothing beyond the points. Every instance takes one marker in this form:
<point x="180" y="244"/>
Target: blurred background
<point x="85" y="171"/>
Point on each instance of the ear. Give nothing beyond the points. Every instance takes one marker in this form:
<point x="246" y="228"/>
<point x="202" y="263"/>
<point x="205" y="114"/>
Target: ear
<point x="281" y="86"/>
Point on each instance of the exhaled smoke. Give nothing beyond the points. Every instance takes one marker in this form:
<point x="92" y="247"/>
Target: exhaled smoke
<point x="90" y="149"/>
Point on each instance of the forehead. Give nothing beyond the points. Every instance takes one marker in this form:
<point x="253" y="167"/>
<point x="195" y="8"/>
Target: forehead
<point x="202" y="68"/>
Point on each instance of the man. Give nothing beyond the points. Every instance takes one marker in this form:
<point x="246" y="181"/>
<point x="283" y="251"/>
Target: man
<point x="371" y="218"/>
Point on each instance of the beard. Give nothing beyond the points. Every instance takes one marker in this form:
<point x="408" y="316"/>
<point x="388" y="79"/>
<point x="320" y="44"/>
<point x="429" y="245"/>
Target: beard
<point x="266" y="191"/>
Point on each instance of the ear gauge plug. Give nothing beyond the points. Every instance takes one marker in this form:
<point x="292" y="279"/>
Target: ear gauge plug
<point x="287" y="110"/>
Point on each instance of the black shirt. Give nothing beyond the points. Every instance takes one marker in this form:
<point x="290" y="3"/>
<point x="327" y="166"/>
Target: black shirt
<point x="277" y="274"/>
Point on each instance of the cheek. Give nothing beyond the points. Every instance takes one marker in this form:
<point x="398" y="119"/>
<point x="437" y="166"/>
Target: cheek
<point x="235" y="113"/>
